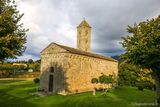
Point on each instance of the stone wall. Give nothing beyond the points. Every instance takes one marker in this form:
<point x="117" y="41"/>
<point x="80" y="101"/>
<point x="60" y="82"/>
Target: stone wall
<point x="57" y="61"/>
<point x="73" y="72"/>
<point x="81" y="69"/>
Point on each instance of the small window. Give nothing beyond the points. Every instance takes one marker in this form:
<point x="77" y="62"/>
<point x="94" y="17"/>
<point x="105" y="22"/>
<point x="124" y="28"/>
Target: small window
<point x="86" y="41"/>
<point x="86" y="31"/>
<point x="51" y="70"/>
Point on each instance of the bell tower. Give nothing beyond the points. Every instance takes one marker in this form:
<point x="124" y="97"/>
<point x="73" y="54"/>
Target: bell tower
<point x="84" y="36"/>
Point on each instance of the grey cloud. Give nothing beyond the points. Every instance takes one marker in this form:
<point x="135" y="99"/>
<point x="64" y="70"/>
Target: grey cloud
<point x="109" y="19"/>
<point x="56" y="21"/>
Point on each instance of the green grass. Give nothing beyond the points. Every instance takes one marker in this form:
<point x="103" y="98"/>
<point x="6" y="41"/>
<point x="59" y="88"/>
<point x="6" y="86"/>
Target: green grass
<point x="16" y="94"/>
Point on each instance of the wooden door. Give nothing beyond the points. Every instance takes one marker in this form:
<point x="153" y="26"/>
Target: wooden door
<point x="50" y="88"/>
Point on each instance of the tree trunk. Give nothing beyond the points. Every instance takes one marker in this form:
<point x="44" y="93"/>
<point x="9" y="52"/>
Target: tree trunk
<point x="94" y="91"/>
<point x="156" y="76"/>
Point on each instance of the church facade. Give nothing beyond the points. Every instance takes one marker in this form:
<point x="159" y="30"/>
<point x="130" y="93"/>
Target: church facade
<point x="67" y="70"/>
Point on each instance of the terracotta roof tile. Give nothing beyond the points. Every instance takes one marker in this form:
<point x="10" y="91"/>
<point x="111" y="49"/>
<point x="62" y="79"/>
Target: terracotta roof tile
<point x="80" y="52"/>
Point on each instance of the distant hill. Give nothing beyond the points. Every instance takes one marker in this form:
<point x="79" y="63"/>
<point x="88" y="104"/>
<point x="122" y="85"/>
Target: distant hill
<point x="117" y="58"/>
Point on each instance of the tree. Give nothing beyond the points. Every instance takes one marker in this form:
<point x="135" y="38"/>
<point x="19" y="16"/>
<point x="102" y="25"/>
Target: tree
<point x="110" y="79"/>
<point x="143" y="48"/>
<point x="106" y="80"/>
<point x="127" y="74"/>
<point x="12" y="33"/>
<point x="30" y="61"/>
<point x="133" y="75"/>
<point x="94" y="81"/>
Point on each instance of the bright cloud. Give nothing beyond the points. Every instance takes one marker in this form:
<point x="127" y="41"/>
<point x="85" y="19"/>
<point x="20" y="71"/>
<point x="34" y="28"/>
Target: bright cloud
<point x="56" y="21"/>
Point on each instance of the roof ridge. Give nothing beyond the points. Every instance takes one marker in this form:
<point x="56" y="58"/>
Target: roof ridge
<point x="84" y="23"/>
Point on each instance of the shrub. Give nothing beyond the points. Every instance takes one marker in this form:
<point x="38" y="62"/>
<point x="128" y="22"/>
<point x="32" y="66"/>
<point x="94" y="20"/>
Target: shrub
<point x="109" y="90"/>
<point x="140" y="88"/>
<point x="94" y="80"/>
<point x="150" y="86"/>
<point x="30" y="61"/>
<point x="36" y="80"/>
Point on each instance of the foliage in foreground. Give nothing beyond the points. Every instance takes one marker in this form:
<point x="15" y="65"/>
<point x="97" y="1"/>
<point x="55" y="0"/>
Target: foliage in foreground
<point x="36" y="80"/>
<point x="12" y="33"/>
<point x="133" y="75"/>
<point x="143" y="48"/>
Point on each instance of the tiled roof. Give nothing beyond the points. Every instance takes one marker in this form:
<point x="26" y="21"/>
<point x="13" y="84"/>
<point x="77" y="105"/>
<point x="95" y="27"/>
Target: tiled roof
<point x="80" y="52"/>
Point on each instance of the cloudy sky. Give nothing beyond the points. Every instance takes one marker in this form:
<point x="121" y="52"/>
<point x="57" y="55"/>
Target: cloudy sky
<point x="56" y="21"/>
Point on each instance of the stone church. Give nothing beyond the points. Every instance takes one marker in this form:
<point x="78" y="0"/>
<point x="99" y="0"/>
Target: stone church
<point x="66" y="70"/>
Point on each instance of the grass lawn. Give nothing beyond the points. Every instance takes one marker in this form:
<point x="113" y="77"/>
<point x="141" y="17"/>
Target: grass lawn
<point x="16" y="94"/>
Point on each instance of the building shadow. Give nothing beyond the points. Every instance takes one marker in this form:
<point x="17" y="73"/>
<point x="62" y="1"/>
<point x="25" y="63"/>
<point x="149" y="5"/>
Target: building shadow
<point x="53" y="79"/>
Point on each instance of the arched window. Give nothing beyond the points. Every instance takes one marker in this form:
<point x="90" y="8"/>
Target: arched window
<point x="51" y="70"/>
<point x="86" y="32"/>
